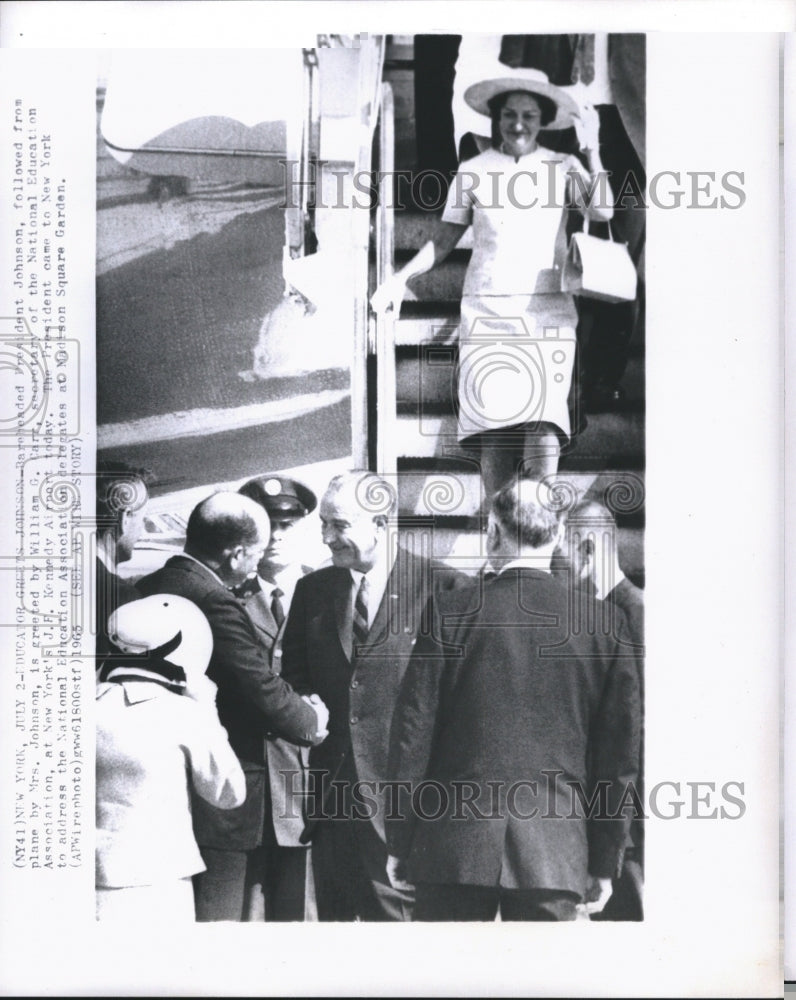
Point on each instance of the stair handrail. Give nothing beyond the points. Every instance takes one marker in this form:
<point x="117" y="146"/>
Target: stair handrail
<point x="384" y="326"/>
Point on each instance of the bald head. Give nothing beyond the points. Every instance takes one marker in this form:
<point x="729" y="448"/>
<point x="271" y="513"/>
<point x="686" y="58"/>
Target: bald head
<point x="228" y="532"/>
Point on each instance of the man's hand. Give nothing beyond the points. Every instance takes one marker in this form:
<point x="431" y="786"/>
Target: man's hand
<point x="598" y="892"/>
<point x="322" y="713"/>
<point x="396" y="872"/>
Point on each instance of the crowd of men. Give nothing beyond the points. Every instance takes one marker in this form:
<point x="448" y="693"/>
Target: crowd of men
<point x="416" y="743"/>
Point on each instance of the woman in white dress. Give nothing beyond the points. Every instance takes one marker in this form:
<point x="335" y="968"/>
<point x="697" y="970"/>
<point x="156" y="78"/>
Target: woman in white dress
<point x="517" y="328"/>
<point x="158" y="741"/>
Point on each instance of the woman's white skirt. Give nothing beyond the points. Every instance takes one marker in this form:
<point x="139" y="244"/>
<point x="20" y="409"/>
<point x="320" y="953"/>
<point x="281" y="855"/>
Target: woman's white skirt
<point x="516" y="359"/>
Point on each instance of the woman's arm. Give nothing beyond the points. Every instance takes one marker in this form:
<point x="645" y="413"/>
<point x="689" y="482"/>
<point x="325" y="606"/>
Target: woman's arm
<point x="590" y="190"/>
<point x="391" y="292"/>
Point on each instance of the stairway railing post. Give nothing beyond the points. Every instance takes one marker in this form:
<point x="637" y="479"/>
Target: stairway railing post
<point x="386" y="424"/>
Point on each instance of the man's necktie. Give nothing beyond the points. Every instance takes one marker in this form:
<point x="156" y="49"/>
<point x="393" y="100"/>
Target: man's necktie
<point x="277" y="610"/>
<point x="360" y="630"/>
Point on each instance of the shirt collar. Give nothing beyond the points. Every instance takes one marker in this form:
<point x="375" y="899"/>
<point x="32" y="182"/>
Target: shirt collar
<point x="286" y="579"/>
<point x="105" y="559"/>
<point x="377" y="575"/>
<point x="525" y="562"/>
<point x="616" y="578"/>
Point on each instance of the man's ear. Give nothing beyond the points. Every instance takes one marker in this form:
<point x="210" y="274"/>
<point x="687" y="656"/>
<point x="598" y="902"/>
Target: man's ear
<point x="233" y="555"/>
<point x="587" y="548"/>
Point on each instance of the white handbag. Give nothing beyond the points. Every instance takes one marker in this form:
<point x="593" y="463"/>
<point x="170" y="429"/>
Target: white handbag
<point x="599" y="269"/>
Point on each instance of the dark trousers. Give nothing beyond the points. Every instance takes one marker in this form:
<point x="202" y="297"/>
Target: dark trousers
<point x="482" y="902"/>
<point x="350" y="866"/>
<point x="606" y="330"/>
<point x="267" y="883"/>
<point x="627" y="899"/>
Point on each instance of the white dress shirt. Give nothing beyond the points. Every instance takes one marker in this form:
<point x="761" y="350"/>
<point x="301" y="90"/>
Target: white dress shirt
<point x="377" y="584"/>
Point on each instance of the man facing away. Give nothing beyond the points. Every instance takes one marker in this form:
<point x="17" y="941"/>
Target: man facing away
<point x="589" y="554"/>
<point x="349" y="636"/>
<point x="514" y="742"/>
<point x="226" y="538"/>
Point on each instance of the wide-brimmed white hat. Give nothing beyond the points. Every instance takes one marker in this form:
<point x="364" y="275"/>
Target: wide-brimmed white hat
<point x="164" y="622"/>
<point x="533" y="81"/>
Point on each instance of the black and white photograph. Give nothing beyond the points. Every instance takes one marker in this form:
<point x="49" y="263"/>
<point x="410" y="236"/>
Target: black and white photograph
<point x="375" y="566"/>
<point x="474" y="377"/>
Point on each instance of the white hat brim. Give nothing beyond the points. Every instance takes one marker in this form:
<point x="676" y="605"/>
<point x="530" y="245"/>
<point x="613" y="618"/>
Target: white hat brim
<point x="478" y="96"/>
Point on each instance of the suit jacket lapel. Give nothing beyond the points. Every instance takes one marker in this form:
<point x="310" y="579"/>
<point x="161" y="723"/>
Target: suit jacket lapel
<point x="343" y="598"/>
<point x="402" y="601"/>
<point x="388" y="607"/>
<point x="259" y="608"/>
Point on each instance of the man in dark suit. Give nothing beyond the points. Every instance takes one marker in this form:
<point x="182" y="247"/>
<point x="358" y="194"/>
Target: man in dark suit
<point x="349" y="636"/>
<point x="225" y="540"/>
<point x="589" y="553"/>
<point x="122" y="497"/>
<point x="287" y="890"/>
<point x="516" y="740"/>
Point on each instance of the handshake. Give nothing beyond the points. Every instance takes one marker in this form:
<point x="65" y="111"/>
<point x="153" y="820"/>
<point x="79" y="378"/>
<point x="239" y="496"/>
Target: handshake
<point x="322" y="712"/>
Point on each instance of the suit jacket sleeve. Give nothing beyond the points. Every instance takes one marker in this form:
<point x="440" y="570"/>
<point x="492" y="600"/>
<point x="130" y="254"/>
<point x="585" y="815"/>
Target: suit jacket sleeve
<point x="412" y="736"/>
<point x="237" y="650"/>
<point x="216" y="773"/>
<point x="614" y="760"/>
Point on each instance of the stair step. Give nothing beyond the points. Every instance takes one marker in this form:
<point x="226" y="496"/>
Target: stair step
<point x="457" y="256"/>
<point x="413" y="229"/>
<point x="402" y="81"/>
<point x="466" y="550"/>
<point x="443" y="309"/>
<point x="426" y="375"/>
<point x="444" y="284"/>
<point x="460" y="494"/>
<point x="611" y="440"/>
<point x="427" y="372"/>
<point x="412" y="331"/>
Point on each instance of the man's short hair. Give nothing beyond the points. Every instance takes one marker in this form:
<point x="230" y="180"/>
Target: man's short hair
<point x="374" y="495"/>
<point x="120" y="487"/>
<point x="212" y="531"/>
<point x="526" y="512"/>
